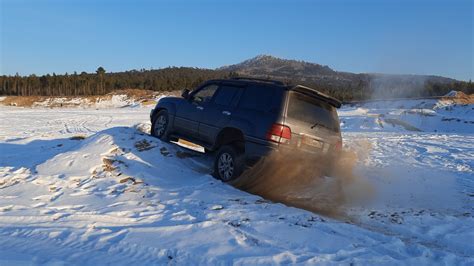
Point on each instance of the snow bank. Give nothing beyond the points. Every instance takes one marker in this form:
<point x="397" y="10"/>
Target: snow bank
<point x="426" y="115"/>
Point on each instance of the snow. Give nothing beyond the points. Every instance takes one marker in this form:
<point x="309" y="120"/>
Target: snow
<point x="429" y="115"/>
<point x="451" y="94"/>
<point x="119" y="196"/>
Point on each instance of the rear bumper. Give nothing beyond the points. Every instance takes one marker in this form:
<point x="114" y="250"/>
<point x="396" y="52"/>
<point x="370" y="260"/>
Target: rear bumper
<point x="255" y="149"/>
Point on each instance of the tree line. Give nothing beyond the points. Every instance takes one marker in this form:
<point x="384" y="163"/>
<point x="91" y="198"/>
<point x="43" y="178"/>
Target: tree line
<point x="167" y="79"/>
<point x="177" y="78"/>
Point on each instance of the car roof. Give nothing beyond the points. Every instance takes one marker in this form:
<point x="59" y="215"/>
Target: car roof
<point x="275" y="83"/>
<point x="250" y="81"/>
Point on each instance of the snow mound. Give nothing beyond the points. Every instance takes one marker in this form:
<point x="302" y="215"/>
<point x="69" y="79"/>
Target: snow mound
<point x="425" y="115"/>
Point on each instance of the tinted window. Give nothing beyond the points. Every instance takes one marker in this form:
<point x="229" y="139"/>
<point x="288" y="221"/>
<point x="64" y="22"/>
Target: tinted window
<point x="205" y="94"/>
<point x="225" y="95"/>
<point x="257" y="98"/>
<point x="312" y="111"/>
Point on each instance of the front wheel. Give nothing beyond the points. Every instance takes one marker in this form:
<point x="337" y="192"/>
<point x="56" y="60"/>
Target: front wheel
<point x="228" y="164"/>
<point x="160" y="126"/>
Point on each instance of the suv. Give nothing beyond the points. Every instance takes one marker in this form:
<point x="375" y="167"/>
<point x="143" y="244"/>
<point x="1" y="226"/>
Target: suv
<point x="245" y="119"/>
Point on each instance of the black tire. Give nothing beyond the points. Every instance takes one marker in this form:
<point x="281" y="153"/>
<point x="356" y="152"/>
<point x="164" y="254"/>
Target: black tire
<point x="228" y="164"/>
<point x="160" y="126"/>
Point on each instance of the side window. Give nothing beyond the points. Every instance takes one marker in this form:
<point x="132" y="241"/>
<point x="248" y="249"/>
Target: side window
<point x="225" y="95"/>
<point x="257" y="98"/>
<point x="205" y="94"/>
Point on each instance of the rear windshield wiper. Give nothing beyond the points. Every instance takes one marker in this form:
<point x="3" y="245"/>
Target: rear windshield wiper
<point x="321" y="125"/>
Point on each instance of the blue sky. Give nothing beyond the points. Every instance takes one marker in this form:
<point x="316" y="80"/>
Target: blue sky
<point x="413" y="37"/>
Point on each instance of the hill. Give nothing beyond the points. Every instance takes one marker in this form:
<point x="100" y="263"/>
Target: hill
<point x="345" y="85"/>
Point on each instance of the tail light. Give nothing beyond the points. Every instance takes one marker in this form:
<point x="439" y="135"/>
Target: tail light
<point x="338" y="146"/>
<point x="279" y="133"/>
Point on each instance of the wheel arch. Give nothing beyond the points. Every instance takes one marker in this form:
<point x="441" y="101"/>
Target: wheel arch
<point x="231" y="136"/>
<point x="168" y="106"/>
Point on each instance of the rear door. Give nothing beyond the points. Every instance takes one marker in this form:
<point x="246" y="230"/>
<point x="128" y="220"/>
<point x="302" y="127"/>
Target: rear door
<point x="260" y="106"/>
<point x="218" y="112"/>
<point x="314" y="123"/>
<point x="190" y="112"/>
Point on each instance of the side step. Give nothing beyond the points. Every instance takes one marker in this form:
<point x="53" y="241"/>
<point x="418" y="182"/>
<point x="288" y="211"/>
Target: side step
<point x="187" y="144"/>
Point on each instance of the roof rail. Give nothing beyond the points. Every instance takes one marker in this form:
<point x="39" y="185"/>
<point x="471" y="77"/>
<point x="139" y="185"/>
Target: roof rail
<point x="260" y="80"/>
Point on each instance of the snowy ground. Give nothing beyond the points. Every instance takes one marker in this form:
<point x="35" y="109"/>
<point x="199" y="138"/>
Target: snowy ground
<point x="119" y="196"/>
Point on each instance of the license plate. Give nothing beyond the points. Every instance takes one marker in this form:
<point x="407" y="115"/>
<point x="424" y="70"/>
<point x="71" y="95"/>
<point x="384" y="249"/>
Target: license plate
<point x="312" y="142"/>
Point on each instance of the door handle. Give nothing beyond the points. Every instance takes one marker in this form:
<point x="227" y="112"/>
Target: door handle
<point x="225" y="112"/>
<point x="199" y="107"/>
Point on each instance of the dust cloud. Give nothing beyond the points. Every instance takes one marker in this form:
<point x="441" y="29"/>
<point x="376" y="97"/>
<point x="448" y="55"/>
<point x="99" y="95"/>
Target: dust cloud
<point x="386" y="86"/>
<point x="317" y="184"/>
<point x="351" y="180"/>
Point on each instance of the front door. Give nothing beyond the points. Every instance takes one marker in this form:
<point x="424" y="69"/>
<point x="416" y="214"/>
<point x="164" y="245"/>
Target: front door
<point x="217" y="114"/>
<point x="189" y="113"/>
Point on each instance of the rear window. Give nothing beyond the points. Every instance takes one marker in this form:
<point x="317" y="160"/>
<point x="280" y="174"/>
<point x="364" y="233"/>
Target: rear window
<point x="312" y="111"/>
<point x="257" y="98"/>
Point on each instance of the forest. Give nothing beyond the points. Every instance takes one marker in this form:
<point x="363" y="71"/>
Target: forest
<point x="177" y="78"/>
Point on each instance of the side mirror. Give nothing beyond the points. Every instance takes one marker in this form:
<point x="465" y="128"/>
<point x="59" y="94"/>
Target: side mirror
<point x="185" y="94"/>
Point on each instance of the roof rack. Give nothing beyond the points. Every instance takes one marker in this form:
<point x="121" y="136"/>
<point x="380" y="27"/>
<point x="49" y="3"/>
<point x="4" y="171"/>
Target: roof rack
<point x="260" y="80"/>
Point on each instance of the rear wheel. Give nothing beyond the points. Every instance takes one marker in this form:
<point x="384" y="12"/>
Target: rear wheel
<point x="160" y="126"/>
<point x="228" y="164"/>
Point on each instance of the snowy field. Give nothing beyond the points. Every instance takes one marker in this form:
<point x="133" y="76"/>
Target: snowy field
<point x="87" y="186"/>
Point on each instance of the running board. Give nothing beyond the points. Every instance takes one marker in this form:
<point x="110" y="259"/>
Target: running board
<point x="189" y="145"/>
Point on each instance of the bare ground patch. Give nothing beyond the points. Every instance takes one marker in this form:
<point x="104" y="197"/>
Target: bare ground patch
<point x="144" y="97"/>
<point x="460" y="98"/>
<point x="78" y="137"/>
<point x="143" y="145"/>
<point x="108" y="164"/>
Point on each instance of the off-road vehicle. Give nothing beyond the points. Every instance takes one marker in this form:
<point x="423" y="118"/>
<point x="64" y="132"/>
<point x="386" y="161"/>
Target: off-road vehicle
<point x="244" y="119"/>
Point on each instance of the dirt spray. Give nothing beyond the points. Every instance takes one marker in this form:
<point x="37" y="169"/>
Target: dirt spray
<point x="314" y="183"/>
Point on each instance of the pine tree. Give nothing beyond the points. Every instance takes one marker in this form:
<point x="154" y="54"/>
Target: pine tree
<point x="101" y="73"/>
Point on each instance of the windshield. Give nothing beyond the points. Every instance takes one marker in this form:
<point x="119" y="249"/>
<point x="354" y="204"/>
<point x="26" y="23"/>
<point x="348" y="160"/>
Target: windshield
<point x="312" y="111"/>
